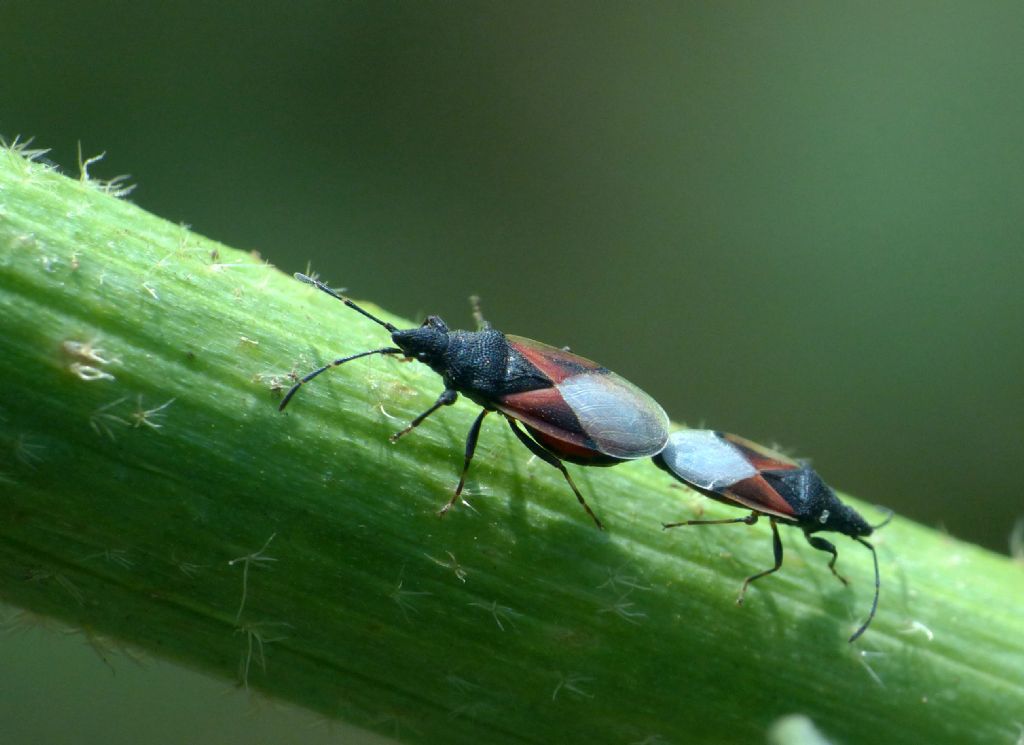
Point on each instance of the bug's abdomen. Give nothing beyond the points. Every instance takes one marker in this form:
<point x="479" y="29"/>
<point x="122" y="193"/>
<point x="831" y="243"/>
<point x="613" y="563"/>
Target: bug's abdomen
<point x="571" y="449"/>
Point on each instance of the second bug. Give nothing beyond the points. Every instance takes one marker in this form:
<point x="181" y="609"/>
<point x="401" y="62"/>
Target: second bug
<point x="570" y="408"/>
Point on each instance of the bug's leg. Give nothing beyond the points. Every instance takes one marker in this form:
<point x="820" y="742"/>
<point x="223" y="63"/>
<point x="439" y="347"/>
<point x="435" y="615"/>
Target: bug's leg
<point x="547" y="457"/>
<point x="822" y="545"/>
<point x="471" y="438"/>
<point x="777" y="547"/>
<point x="478" y="315"/>
<point x="447" y="398"/>
<point x="748" y="519"/>
<point x="308" y="377"/>
<point x="878" y="584"/>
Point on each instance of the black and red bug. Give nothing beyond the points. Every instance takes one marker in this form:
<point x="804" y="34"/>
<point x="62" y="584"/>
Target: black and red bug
<point x="571" y="409"/>
<point x="730" y="469"/>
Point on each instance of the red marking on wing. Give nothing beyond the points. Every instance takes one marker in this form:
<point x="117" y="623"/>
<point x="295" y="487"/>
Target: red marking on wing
<point x="760" y="457"/>
<point x="758" y="494"/>
<point x="546" y="411"/>
<point x="556" y="363"/>
<point x="551" y="422"/>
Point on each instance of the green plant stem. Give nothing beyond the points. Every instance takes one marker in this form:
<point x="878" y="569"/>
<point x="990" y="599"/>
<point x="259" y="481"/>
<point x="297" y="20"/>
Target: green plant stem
<point x="152" y="491"/>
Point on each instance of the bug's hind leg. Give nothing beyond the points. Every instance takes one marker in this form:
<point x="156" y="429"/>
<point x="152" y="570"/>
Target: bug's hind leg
<point x="547" y="457"/>
<point x="777" y="548"/>
<point x="822" y="545"/>
<point x="471" y="438"/>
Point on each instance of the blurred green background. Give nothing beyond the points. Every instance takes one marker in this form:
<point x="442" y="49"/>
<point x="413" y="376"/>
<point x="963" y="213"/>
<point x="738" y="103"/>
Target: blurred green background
<point x="799" y="222"/>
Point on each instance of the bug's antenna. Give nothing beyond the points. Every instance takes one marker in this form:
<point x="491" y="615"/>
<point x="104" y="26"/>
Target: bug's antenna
<point x="305" y="379"/>
<point x="321" y="286"/>
<point x="888" y="518"/>
<point x="878" y="582"/>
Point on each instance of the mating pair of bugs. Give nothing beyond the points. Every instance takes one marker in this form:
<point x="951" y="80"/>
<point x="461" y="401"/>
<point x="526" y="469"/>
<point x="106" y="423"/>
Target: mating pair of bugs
<point x="564" y="407"/>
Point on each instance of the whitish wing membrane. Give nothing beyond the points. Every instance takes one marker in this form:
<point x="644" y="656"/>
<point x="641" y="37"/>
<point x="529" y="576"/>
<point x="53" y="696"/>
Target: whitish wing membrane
<point x="702" y="458"/>
<point x="622" y="420"/>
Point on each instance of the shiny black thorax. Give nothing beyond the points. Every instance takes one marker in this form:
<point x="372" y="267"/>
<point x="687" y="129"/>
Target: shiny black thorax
<point x="482" y="365"/>
<point x="815" y="504"/>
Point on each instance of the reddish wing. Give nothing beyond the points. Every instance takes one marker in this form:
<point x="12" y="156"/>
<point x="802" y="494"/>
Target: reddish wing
<point x="726" y="468"/>
<point x="589" y="413"/>
<point x="556" y="363"/>
<point x="755" y="492"/>
<point x="760" y="457"/>
<point x="758" y="494"/>
<point x="545" y="410"/>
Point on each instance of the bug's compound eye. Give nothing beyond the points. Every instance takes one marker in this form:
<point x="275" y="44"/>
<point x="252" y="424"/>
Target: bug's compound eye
<point x="436" y="323"/>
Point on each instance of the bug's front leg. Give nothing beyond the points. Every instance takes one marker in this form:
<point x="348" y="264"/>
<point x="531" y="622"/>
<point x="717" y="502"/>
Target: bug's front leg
<point x="823" y="545"/>
<point x="447" y="398"/>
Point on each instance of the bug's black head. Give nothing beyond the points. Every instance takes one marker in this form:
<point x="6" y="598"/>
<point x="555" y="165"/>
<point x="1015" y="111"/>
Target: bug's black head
<point x="844" y="519"/>
<point x="815" y="504"/>
<point x="427" y="344"/>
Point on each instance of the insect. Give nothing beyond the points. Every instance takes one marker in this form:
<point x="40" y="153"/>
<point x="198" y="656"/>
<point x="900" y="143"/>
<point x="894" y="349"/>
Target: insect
<point x="561" y="406"/>
<point x="735" y="471"/>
